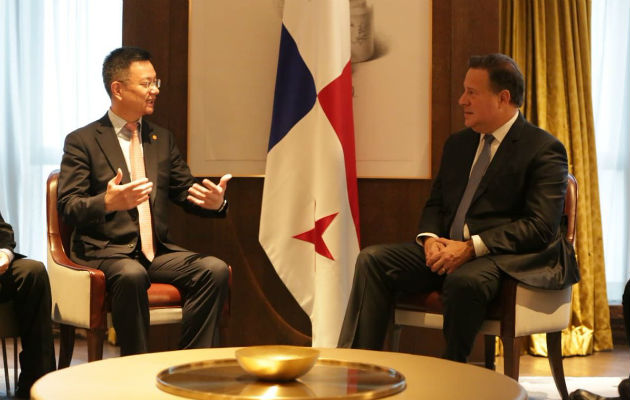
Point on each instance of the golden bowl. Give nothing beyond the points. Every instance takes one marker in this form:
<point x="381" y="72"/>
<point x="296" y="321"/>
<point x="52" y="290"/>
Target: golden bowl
<point x="277" y="363"/>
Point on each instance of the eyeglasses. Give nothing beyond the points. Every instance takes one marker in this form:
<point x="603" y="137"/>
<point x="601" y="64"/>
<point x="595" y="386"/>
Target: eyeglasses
<point x="148" y="85"/>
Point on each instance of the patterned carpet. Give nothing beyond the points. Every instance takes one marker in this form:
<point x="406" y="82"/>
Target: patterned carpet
<point x="543" y="388"/>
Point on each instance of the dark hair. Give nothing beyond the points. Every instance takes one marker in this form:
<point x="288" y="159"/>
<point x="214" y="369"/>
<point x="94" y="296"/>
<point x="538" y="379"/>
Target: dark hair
<point x="116" y="64"/>
<point x="504" y="75"/>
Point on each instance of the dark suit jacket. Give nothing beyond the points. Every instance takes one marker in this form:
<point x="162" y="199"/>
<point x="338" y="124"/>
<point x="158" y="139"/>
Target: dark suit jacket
<point x="517" y="209"/>
<point x="7" y="240"/>
<point x="92" y="155"/>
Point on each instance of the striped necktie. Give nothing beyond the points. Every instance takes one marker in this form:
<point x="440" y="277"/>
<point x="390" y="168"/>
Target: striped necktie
<point x="477" y="172"/>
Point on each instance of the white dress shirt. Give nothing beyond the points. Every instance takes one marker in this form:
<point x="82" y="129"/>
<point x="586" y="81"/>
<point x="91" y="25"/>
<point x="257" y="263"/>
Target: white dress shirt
<point x="124" y="135"/>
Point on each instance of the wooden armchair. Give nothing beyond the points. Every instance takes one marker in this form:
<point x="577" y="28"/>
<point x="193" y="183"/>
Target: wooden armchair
<point x="79" y="297"/>
<point x="518" y="311"/>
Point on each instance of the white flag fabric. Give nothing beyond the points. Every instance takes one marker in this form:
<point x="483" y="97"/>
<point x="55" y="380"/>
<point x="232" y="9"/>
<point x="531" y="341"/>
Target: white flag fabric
<point x="309" y="225"/>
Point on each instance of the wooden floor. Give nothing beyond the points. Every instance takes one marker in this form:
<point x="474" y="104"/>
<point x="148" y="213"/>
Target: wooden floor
<point x="605" y="363"/>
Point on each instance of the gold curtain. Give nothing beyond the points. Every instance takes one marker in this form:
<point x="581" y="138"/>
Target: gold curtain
<point x="550" y="40"/>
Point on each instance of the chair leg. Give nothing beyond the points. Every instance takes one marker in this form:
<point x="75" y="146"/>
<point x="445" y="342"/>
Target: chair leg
<point x="554" y="351"/>
<point x="6" y="367"/>
<point x="512" y="356"/>
<point x="95" y="339"/>
<point x="489" y="346"/>
<point x="395" y="340"/>
<point x="66" y="345"/>
<point x="15" y="362"/>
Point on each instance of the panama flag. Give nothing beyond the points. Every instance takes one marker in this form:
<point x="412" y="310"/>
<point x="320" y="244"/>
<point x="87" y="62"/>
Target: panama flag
<point x="309" y="225"/>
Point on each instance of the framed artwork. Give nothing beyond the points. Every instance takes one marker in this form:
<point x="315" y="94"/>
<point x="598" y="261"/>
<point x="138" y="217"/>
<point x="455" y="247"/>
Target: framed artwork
<point x="233" y="55"/>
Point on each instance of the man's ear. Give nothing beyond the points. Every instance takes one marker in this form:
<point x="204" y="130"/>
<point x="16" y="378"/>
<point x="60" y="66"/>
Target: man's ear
<point x="504" y="96"/>
<point x="116" y="89"/>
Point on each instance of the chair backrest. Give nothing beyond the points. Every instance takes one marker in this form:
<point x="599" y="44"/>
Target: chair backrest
<point x="570" y="208"/>
<point x="58" y="232"/>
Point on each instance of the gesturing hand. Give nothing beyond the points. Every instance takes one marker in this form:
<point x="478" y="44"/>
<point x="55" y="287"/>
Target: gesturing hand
<point x="4" y="262"/>
<point x="208" y="195"/>
<point x="125" y="197"/>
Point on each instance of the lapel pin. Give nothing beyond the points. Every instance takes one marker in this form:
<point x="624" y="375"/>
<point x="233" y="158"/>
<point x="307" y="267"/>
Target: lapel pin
<point x="154" y="137"/>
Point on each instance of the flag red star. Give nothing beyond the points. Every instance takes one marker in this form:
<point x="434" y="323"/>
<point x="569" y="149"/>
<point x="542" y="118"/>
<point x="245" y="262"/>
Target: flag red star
<point x="315" y="235"/>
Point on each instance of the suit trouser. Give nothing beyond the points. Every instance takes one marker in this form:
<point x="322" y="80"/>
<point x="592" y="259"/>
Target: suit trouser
<point x="202" y="280"/>
<point x="384" y="271"/>
<point x="26" y="283"/>
<point x="625" y="301"/>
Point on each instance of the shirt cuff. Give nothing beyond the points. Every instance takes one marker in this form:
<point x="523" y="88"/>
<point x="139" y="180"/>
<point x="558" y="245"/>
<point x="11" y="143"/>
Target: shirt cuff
<point x="480" y="247"/>
<point x="9" y="254"/>
<point x="420" y="236"/>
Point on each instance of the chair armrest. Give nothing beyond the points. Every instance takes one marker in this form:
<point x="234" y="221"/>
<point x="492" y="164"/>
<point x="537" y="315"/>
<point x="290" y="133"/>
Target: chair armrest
<point x="78" y="291"/>
<point x="541" y="310"/>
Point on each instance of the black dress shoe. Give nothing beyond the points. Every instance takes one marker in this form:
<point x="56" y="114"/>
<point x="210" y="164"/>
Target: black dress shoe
<point x="624" y="389"/>
<point x="582" y="394"/>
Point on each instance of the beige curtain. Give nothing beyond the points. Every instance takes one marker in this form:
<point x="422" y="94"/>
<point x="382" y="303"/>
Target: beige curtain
<point x="550" y="40"/>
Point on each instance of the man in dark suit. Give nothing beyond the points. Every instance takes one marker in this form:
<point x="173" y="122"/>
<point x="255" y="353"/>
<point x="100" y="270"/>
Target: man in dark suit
<point x="494" y="210"/>
<point x="117" y="176"/>
<point x="25" y="282"/>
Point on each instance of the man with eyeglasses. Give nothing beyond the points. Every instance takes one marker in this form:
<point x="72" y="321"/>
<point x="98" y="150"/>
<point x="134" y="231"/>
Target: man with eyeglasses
<point x="117" y="175"/>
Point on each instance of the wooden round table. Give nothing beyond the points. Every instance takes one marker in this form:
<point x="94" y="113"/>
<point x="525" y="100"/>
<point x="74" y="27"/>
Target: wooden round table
<point x="134" y="377"/>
